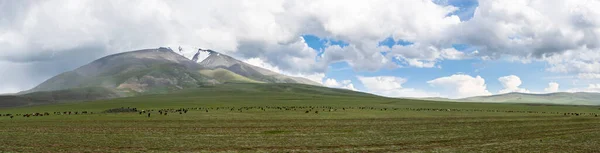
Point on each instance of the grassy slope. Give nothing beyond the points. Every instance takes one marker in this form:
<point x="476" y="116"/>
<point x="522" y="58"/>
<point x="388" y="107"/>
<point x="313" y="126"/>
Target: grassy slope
<point x="224" y="75"/>
<point x="249" y="94"/>
<point x="53" y="97"/>
<point x="274" y="130"/>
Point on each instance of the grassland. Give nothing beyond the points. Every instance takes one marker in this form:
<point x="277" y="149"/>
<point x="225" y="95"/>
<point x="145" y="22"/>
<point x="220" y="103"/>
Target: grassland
<point x="274" y="118"/>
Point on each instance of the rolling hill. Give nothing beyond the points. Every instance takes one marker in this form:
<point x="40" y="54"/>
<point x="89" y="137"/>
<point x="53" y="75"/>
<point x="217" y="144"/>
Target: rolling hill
<point x="579" y="98"/>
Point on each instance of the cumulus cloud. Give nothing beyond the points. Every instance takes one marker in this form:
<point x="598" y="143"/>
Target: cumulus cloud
<point x="590" y="76"/>
<point x="532" y="28"/>
<point x="562" y="33"/>
<point x="269" y="30"/>
<point x="552" y="87"/>
<point x="511" y="83"/>
<point x="461" y="85"/>
<point x="583" y="62"/>
<point x="391" y="86"/>
<point x="315" y="77"/>
<point x="422" y="56"/>
<point x="345" y="84"/>
<point x="589" y="88"/>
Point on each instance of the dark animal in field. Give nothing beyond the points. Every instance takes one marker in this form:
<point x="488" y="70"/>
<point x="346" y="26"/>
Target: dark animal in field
<point x="11" y="116"/>
<point x="148" y="114"/>
<point x="316" y="112"/>
<point x="307" y="111"/>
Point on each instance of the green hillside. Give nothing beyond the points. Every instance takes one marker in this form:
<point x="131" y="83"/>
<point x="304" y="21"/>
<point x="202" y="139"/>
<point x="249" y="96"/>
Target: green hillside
<point x="262" y="117"/>
<point x="223" y="75"/>
<point x="251" y="94"/>
<point x="54" y="97"/>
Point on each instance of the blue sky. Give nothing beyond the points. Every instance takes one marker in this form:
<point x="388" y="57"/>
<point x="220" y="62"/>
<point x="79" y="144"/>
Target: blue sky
<point x="532" y="74"/>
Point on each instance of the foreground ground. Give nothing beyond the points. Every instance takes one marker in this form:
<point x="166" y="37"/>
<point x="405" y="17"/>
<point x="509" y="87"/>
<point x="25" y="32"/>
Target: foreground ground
<point x="255" y="121"/>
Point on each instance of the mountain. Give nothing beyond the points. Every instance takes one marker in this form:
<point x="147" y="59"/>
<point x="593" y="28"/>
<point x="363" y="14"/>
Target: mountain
<point x="579" y="98"/>
<point x="149" y="70"/>
<point x="221" y="61"/>
<point x="145" y="71"/>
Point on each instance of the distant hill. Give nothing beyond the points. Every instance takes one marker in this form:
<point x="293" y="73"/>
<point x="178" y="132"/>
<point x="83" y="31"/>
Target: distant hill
<point x="579" y="98"/>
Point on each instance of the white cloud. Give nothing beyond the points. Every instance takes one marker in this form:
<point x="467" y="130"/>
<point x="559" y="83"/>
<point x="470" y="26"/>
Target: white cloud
<point x="422" y="56"/>
<point x="552" y="87"/>
<point x="345" y="84"/>
<point x="269" y="30"/>
<point x="331" y="82"/>
<point x="511" y="83"/>
<point x="315" y="77"/>
<point x="380" y="83"/>
<point x="590" y="88"/>
<point x="583" y="62"/>
<point x="532" y="28"/>
<point x="589" y="76"/>
<point x="562" y="33"/>
<point x="391" y="86"/>
<point x="461" y="86"/>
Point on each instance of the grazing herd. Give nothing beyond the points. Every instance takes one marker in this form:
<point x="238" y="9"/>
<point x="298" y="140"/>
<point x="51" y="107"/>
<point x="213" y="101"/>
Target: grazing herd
<point x="305" y="109"/>
<point x="47" y="114"/>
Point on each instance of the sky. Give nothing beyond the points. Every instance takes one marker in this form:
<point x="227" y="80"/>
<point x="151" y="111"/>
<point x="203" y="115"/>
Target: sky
<point x="394" y="48"/>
